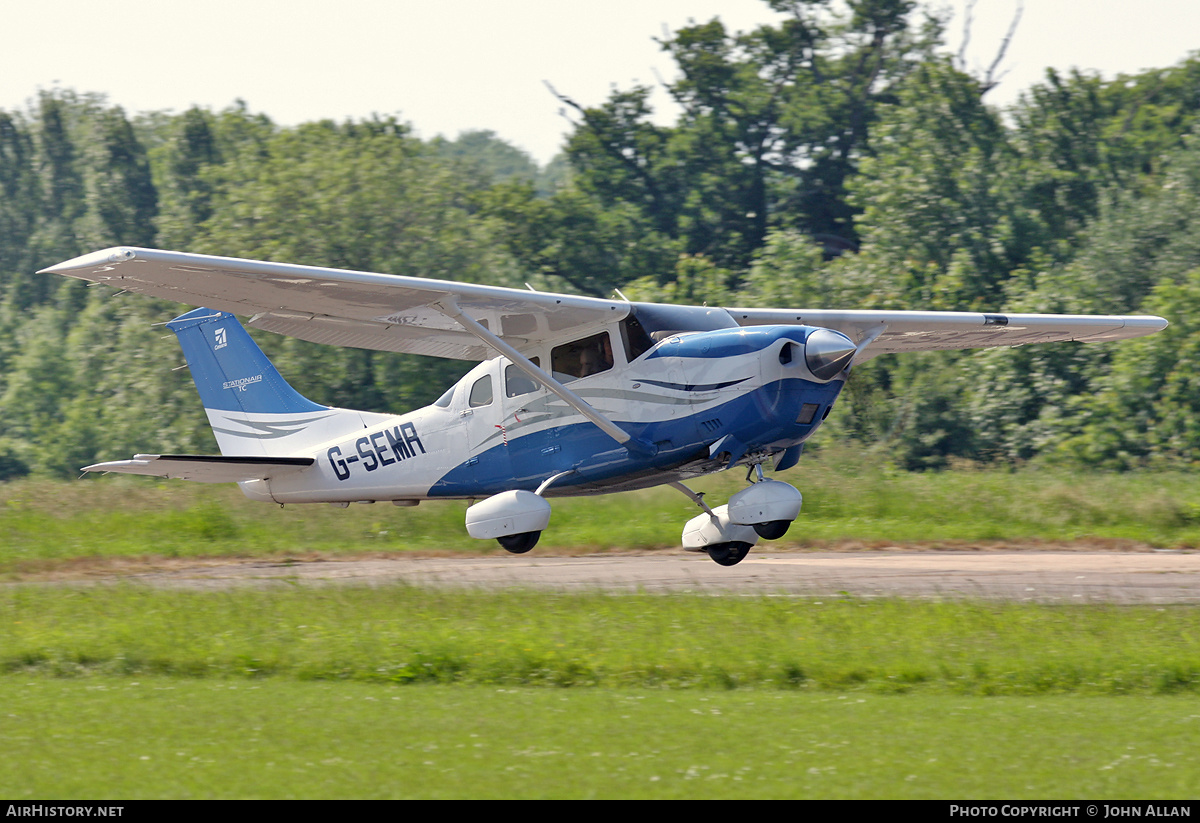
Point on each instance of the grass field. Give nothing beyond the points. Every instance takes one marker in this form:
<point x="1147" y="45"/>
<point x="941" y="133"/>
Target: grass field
<point x="403" y="634"/>
<point x="128" y="738"/>
<point x="124" y="692"/>
<point x="847" y="500"/>
<point x="112" y="690"/>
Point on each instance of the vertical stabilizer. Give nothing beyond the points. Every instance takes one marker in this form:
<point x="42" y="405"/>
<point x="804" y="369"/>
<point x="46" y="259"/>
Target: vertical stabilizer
<point x="251" y="408"/>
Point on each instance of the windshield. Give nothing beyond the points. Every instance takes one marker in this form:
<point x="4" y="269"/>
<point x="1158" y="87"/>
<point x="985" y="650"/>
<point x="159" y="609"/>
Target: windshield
<point x="661" y="321"/>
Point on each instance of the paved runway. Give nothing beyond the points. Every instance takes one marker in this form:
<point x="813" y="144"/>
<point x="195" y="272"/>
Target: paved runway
<point x="1156" y="577"/>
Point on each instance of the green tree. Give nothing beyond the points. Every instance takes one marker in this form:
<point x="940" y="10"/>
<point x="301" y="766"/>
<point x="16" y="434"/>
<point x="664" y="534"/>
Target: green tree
<point x="39" y="382"/>
<point x="1147" y="409"/>
<point x="19" y="204"/>
<point x="774" y="122"/>
<point x="939" y="215"/>
<point x="571" y="238"/>
<point x="790" y="271"/>
<point x="486" y="155"/>
<point x="1140" y="236"/>
<point x="121" y="196"/>
<point x="185" y="179"/>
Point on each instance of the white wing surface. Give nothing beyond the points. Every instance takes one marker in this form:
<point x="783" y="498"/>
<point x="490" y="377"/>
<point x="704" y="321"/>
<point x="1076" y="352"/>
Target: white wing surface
<point x="346" y="308"/>
<point x="885" y="332"/>
<point x="393" y="313"/>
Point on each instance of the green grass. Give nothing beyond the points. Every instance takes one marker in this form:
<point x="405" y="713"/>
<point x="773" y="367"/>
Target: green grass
<point x="123" y="738"/>
<point x="847" y="500"/>
<point x="124" y="691"/>
<point x="403" y="635"/>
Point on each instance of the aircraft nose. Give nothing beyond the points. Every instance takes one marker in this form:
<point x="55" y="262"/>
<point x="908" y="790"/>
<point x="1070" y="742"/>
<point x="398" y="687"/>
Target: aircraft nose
<point x="827" y="352"/>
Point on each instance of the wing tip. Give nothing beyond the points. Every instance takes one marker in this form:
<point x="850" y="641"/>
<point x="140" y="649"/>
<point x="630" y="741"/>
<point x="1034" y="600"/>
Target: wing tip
<point x="1142" y="325"/>
<point x="91" y="260"/>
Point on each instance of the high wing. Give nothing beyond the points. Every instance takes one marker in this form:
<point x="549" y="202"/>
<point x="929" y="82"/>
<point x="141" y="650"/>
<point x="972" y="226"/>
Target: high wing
<point x="417" y="315"/>
<point x="885" y="332"/>
<point x="206" y="468"/>
<point x="346" y="308"/>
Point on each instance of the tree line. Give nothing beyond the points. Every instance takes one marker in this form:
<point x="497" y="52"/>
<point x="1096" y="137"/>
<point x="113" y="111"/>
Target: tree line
<point x="838" y="159"/>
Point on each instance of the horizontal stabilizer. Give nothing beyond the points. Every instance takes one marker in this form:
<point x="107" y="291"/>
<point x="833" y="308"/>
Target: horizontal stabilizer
<point x="205" y="468"/>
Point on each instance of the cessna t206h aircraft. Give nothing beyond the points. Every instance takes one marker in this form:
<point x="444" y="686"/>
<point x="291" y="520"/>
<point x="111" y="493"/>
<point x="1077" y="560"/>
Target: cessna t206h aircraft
<point x="571" y="395"/>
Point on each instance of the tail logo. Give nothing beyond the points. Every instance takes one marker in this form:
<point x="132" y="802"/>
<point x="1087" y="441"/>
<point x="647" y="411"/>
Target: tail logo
<point x="222" y="340"/>
<point x="242" y="382"/>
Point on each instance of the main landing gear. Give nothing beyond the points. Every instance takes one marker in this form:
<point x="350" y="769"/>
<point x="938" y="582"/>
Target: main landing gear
<point x="515" y="519"/>
<point x="727" y="533"/>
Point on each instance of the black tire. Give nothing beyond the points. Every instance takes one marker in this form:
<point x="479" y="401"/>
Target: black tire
<point x="728" y="554"/>
<point x="772" y="529"/>
<point x="519" y="543"/>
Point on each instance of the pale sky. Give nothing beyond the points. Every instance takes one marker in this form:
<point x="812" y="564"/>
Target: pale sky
<point x="447" y="66"/>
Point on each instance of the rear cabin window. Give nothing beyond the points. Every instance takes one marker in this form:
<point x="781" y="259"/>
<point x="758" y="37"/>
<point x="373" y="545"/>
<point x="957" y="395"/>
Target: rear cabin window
<point x="582" y="358"/>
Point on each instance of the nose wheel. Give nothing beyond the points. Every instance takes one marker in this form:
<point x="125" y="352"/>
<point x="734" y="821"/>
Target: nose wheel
<point x="728" y="554"/>
<point x="772" y="530"/>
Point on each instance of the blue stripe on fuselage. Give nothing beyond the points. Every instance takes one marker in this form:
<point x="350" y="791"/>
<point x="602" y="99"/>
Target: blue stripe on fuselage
<point x="761" y="419"/>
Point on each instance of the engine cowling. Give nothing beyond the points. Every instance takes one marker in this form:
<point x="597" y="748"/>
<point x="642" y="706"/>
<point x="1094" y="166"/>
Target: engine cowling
<point x="508" y="513"/>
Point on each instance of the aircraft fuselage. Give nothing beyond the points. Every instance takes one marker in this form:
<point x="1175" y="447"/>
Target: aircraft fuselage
<point x="701" y="400"/>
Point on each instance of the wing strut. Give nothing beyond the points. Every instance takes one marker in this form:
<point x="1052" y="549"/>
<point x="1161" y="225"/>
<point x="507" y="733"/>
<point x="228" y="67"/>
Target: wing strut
<point x="450" y="308"/>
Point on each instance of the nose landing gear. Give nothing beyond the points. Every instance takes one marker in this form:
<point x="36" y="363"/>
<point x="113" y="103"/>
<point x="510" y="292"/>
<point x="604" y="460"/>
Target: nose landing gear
<point x="764" y="510"/>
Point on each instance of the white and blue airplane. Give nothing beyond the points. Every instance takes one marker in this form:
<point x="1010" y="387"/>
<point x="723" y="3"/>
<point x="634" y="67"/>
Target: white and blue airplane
<point x="571" y="395"/>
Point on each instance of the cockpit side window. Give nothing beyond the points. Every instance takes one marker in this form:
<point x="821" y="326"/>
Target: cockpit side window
<point x="516" y="382"/>
<point x="481" y="392"/>
<point x="582" y="358"/>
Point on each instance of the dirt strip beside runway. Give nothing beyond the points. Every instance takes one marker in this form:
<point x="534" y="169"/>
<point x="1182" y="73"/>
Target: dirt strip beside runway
<point x="1156" y="577"/>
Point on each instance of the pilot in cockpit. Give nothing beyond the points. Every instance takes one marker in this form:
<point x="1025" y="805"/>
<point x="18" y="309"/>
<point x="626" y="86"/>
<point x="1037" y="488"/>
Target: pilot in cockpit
<point x="595" y="357"/>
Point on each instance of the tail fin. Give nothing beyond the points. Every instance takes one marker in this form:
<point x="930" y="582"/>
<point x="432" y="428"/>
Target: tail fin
<point x="251" y="408"/>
